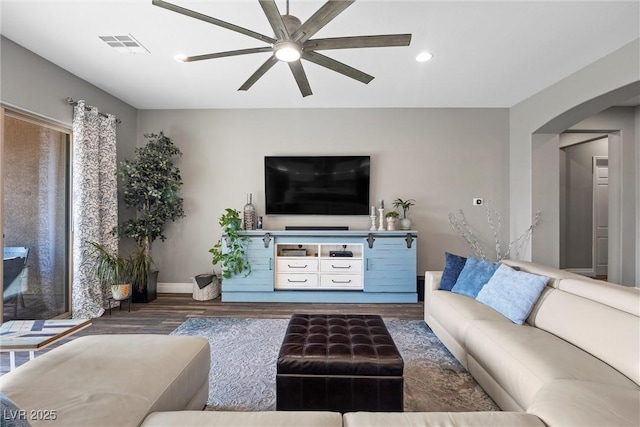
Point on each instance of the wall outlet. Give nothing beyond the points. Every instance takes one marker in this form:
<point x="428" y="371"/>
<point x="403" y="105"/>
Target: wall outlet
<point x="478" y="201"/>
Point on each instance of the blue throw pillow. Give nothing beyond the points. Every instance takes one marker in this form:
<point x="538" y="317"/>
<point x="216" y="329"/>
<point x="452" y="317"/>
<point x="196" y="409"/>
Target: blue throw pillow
<point x="512" y="293"/>
<point x="475" y="274"/>
<point x="452" y="268"/>
<point x="12" y="415"/>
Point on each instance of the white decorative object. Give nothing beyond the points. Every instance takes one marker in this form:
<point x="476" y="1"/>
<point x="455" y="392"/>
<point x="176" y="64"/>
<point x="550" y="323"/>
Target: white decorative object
<point x="392" y="223"/>
<point x="381" y="212"/>
<point x="405" y="223"/>
<point x="373" y="221"/>
<point x="209" y="292"/>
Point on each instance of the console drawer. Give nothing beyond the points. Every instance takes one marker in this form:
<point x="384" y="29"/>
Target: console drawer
<point x="341" y="265"/>
<point x="341" y="281"/>
<point x="296" y="281"/>
<point x="296" y="265"/>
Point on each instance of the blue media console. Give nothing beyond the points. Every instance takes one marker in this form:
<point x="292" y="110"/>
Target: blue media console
<point x="327" y="266"/>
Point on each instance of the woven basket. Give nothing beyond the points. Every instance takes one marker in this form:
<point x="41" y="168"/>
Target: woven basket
<point x="209" y="292"/>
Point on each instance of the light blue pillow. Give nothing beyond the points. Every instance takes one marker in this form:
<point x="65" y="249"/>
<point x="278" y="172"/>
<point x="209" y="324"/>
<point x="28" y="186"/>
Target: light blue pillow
<point x="474" y="275"/>
<point x="512" y="293"/>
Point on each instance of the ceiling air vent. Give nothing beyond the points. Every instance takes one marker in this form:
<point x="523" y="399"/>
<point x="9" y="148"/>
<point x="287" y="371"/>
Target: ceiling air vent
<point x="124" y="44"/>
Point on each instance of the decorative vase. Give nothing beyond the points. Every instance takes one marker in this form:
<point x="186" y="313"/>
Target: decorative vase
<point x="392" y="223"/>
<point x="405" y="224"/>
<point x="121" y="292"/>
<point x="249" y="214"/>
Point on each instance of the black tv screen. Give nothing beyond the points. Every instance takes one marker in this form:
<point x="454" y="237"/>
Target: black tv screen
<point x="317" y="185"/>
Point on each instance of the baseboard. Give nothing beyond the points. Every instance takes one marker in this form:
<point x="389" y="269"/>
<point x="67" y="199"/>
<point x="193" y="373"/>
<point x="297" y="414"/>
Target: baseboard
<point x="175" y="288"/>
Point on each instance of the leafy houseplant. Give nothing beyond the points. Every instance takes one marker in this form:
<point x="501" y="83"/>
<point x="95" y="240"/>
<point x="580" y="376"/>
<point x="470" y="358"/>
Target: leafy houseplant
<point x="405" y="222"/>
<point x="117" y="271"/>
<point x="150" y="184"/>
<point x="232" y="257"/>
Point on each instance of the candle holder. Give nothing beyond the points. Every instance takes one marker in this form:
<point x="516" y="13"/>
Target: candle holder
<point x="381" y="226"/>
<point x="373" y="222"/>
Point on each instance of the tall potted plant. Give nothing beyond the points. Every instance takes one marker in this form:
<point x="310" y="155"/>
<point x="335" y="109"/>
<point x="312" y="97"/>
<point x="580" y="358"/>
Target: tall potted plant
<point x="150" y="184"/>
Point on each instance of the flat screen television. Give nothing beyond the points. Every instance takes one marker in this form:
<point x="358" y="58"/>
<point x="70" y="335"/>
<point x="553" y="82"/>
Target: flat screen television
<point x="317" y="185"/>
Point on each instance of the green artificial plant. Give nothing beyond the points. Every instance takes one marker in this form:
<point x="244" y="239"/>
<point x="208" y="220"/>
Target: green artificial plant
<point x="150" y="184"/>
<point x="404" y="204"/>
<point x="232" y="257"/>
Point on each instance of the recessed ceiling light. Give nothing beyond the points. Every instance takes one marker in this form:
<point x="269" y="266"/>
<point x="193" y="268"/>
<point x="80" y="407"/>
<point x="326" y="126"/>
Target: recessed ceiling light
<point x="424" y="57"/>
<point x="124" y="44"/>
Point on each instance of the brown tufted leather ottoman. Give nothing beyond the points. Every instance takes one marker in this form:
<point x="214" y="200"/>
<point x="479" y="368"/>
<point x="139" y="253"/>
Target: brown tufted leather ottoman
<point x="338" y="363"/>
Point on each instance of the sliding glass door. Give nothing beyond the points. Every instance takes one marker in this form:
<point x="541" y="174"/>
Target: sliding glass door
<point x="35" y="223"/>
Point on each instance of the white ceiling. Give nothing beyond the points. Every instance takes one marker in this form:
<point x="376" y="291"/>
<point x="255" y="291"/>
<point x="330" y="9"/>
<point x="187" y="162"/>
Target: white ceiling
<point x="486" y="53"/>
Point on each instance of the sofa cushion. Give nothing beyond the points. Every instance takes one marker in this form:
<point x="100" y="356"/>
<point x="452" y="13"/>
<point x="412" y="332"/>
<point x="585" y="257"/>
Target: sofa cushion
<point x="244" y="419"/>
<point x="610" y="334"/>
<point x="522" y="359"/>
<point x="512" y="293"/>
<point x="452" y="268"/>
<point x="108" y="380"/>
<point x="474" y="275"/>
<point x="586" y="403"/>
<point x="441" y="419"/>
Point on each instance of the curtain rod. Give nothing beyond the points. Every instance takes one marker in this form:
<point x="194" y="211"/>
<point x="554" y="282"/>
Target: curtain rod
<point x="73" y="102"/>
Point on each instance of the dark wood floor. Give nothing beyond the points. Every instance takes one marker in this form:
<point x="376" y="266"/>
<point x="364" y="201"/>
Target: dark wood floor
<point x="169" y="311"/>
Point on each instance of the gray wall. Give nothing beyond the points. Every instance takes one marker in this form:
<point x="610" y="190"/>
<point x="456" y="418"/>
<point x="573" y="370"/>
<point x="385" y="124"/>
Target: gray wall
<point x="33" y="85"/>
<point x="441" y="157"/>
<point x="602" y="84"/>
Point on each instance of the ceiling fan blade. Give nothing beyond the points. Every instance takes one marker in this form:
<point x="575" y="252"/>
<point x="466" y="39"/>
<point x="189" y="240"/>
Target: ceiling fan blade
<point x="275" y="19"/>
<point x="214" y="21"/>
<point x="332" y="64"/>
<point x="301" y="77"/>
<point x="322" y="17"/>
<point x="387" y="40"/>
<point x="259" y="72"/>
<point x="228" y="53"/>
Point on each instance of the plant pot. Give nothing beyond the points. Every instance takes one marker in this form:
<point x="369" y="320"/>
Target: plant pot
<point x="121" y="292"/>
<point x="149" y="292"/>
<point x="392" y="223"/>
<point x="405" y="224"/>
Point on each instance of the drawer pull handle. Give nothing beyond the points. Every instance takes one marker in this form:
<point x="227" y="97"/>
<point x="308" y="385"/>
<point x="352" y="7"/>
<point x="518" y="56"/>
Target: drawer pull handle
<point x="341" y="266"/>
<point x="341" y="281"/>
<point x="297" y="266"/>
<point x="297" y="281"/>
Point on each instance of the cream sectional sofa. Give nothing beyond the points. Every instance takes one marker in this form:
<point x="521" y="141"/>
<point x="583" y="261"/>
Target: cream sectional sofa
<point x="575" y="361"/>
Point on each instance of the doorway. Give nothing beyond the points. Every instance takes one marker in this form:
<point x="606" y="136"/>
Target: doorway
<point x="36" y="218"/>
<point x="584" y="204"/>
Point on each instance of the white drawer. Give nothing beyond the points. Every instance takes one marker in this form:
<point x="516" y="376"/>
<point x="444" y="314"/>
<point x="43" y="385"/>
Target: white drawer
<point x="296" y="281"/>
<point x="296" y="265"/>
<point x="341" y="265"/>
<point x="341" y="281"/>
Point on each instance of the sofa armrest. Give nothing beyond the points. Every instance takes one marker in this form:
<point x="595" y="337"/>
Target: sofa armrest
<point x="432" y="280"/>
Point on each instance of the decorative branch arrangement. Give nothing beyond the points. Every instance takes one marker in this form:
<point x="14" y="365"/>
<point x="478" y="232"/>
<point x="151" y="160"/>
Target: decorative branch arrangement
<point x="460" y="225"/>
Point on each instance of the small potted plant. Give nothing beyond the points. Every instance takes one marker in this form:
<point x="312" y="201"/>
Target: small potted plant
<point x="232" y="255"/>
<point x="405" y="222"/>
<point x="116" y="271"/>
<point x="392" y="220"/>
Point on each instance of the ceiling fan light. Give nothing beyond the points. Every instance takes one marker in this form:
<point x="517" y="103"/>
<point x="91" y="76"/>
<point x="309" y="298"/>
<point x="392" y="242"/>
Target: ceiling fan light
<point x="287" y="51"/>
<point x="424" y="56"/>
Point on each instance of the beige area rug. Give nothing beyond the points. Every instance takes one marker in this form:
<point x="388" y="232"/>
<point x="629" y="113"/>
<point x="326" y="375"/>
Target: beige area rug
<point x="244" y="353"/>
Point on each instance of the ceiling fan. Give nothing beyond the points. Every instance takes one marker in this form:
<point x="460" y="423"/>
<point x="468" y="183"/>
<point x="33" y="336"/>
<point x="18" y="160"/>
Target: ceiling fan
<point x="292" y="41"/>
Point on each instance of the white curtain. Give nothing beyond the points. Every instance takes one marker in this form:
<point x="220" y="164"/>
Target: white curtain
<point x="95" y="203"/>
